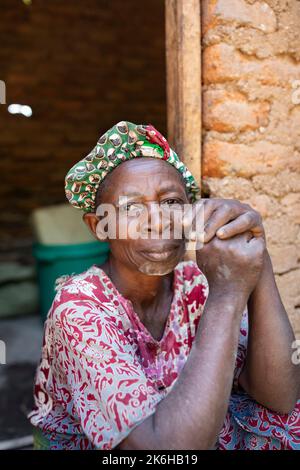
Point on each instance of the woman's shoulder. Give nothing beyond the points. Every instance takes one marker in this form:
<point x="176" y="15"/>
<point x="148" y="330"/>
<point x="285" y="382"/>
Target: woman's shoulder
<point x="88" y="288"/>
<point x="84" y="283"/>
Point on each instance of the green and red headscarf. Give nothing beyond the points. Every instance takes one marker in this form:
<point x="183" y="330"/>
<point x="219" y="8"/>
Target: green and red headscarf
<point x="122" y="142"/>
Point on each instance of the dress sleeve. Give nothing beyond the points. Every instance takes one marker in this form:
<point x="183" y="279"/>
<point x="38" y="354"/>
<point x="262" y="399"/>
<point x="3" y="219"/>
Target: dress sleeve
<point x="110" y="391"/>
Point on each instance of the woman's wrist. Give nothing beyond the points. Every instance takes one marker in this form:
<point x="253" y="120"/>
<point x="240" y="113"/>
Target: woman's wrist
<point x="227" y="299"/>
<point x="222" y="316"/>
<point x="231" y="290"/>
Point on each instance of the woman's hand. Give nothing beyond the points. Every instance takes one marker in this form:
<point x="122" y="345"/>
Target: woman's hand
<point x="232" y="266"/>
<point x="226" y="218"/>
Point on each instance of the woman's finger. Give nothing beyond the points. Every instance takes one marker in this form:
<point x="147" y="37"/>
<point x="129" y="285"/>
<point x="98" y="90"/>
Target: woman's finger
<point x="249" y="221"/>
<point x="221" y="216"/>
<point x="197" y="216"/>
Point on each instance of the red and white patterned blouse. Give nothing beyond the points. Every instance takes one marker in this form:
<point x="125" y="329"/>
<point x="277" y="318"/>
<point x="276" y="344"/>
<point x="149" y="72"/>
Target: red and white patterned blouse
<point x="102" y="373"/>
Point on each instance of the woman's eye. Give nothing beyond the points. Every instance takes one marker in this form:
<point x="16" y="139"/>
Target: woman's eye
<point x="171" y="202"/>
<point x="131" y="208"/>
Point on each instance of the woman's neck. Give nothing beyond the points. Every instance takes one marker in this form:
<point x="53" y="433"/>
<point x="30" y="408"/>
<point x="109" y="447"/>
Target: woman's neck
<point x="140" y="288"/>
<point x="151" y="296"/>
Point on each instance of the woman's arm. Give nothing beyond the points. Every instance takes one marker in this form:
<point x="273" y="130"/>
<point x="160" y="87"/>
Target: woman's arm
<point x="191" y="416"/>
<point x="269" y="375"/>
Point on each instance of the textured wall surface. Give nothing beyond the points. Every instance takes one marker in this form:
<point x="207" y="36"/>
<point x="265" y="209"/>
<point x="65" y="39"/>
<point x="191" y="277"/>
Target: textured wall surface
<point x="251" y="115"/>
<point x="82" y="66"/>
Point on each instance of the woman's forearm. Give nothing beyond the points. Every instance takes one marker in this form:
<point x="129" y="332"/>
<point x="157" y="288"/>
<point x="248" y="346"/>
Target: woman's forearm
<point x="191" y="416"/>
<point x="269" y="375"/>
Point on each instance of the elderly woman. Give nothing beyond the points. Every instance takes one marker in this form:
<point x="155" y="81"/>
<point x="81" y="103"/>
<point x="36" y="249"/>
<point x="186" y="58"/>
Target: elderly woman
<point x="136" y="354"/>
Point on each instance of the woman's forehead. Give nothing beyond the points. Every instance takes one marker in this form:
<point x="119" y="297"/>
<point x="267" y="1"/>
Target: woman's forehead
<point x="142" y="175"/>
<point x="134" y="173"/>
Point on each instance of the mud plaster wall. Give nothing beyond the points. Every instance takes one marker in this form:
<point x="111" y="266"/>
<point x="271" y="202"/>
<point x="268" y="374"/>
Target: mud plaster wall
<point x="251" y="121"/>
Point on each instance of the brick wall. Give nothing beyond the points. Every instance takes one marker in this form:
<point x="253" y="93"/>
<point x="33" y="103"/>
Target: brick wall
<point x="81" y="66"/>
<point x="251" y="60"/>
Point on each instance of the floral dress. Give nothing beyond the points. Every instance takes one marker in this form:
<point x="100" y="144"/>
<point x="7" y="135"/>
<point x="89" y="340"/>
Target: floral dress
<point x="102" y="373"/>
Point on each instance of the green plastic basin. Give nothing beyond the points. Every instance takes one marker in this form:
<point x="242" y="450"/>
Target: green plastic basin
<point x="54" y="261"/>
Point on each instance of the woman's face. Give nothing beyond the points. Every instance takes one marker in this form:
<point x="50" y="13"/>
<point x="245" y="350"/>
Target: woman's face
<point x="148" y="195"/>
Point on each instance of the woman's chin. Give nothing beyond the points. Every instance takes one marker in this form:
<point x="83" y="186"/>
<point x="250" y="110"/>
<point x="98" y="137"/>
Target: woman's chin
<point x="152" y="268"/>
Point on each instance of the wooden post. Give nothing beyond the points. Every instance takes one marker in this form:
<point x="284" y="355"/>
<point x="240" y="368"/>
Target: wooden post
<point x="183" y="50"/>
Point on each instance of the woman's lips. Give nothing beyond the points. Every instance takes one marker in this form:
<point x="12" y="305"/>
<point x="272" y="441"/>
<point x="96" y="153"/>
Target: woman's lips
<point x="160" y="255"/>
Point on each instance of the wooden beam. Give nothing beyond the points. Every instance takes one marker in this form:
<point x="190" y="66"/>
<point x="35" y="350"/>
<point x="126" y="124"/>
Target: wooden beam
<point x="183" y="50"/>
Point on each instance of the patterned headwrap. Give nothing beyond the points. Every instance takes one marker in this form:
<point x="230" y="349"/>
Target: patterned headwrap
<point x="122" y="142"/>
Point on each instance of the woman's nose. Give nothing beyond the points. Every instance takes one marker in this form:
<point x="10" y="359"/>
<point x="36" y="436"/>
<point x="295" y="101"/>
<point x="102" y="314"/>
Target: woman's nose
<point x="158" y="222"/>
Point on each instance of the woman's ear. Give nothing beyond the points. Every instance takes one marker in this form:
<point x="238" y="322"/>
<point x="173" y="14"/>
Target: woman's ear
<point x="92" y="221"/>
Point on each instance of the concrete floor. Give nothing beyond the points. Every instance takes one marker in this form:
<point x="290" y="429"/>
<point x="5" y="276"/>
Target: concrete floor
<point x="23" y="339"/>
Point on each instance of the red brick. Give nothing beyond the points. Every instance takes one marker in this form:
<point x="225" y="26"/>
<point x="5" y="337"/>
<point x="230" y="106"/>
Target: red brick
<point x="258" y="15"/>
<point x="223" y="158"/>
<point x="223" y="63"/>
<point x="225" y="111"/>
